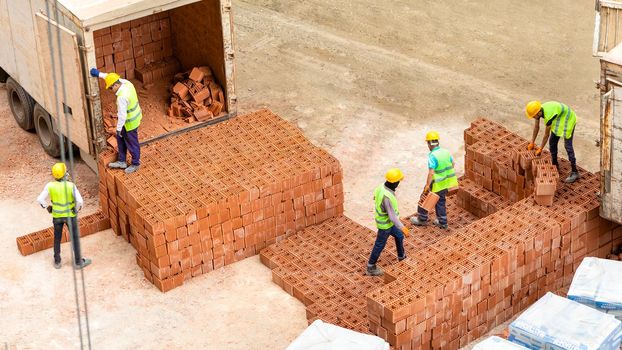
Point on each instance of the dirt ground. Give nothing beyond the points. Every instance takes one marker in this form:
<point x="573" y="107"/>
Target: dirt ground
<point x="366" y="80"/>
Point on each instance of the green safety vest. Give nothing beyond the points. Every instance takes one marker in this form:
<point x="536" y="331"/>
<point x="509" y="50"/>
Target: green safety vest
<point x="382" y="218"/>
<point x="61" y="196"/>
<point x="134" y="113"/>
<point x="563" y="125"/>
<point x="444" y="173"/>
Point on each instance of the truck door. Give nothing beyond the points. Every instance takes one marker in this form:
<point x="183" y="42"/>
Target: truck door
<point x="611" y="155"/>
<point x="67" y="65"/>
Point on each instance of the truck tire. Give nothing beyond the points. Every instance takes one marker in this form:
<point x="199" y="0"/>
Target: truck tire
<point x="45" y="130"/>
<point x="3" y="75"/>
<point x="22" y="105"/>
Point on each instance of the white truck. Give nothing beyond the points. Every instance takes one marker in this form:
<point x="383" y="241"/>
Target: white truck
<point x="34" y="32"/>
<point x="607" y="46"/>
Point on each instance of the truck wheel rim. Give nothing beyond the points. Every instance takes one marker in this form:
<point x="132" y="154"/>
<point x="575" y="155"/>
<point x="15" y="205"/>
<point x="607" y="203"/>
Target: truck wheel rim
<point x="44" y="131"/>
<point x="18" y="105"/>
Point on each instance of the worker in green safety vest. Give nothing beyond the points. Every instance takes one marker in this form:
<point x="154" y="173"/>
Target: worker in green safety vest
<point x="66" y="201"/>
<point x="129" y="116"/>
<point x="387" y="220"/>
<point x="441" y="178"/>
<point x="560" y="122"/>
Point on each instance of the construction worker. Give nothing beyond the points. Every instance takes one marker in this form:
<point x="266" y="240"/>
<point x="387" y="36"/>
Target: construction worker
<point x="561" y="120"/>
<point x="129" y="116"/>
<point x="66" y="201"/>
<point x="387" y="220"/>
<point x="441" y="177"/>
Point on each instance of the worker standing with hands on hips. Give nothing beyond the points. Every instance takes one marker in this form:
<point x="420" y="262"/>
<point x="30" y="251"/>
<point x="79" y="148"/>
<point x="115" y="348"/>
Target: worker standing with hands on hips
<point x="560" y="121"/>
<point x="129" y="116"/>
<point x="387" y="220"/>
<point x="441" y="177"/>
<point x="66" y="201"/>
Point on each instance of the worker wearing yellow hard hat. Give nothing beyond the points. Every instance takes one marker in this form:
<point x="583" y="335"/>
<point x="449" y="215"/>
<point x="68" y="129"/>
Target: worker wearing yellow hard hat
<point x="441" y="178"/>
<point x="65" y="201"/>
<point x="129" y="116"/>
<point x="386" y="211"/>
<point x="560" y="121"/>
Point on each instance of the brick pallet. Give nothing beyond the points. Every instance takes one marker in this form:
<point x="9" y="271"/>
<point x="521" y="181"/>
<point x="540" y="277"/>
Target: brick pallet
<point x="44" y="239"/>
<point x="454" y="288"/>
<point x="216" y="195"/>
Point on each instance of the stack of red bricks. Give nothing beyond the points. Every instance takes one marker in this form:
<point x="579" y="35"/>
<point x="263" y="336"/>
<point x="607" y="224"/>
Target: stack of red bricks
<point x="455" y="288"/>
<point x="141" y="49"/>
<point x="196" y="96"/>
<point x="44" y="239"/>
<point x="216" y="195"/>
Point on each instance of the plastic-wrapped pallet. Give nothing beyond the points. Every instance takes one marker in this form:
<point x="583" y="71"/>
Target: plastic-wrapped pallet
<point x="326" y="336"/>
<point x="557" y="323"/>
<point x="496" y="343"/>
<point x="598" y="283"/>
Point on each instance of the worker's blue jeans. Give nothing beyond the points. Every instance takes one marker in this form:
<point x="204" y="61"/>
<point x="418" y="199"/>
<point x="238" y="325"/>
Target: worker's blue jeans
<point x="441" y="209"/>
<point x="72" y="227"/>
<point x="554" y="140"/>
<point x="129" y="141"/>
<point x="381" y="241"/>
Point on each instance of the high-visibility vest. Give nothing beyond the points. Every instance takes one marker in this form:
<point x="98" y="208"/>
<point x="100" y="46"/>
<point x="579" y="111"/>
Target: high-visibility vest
<point x="444" y="173"/>
<point x="382" y="218"/>
<point x="563" y="125"/>
<point x="134" y="113"/>
<point x="61" y="196"/>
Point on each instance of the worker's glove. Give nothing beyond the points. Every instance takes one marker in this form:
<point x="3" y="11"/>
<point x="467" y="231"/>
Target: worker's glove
<point x="95" y="72"/>
<point x="119" y="134"/>
<point x="531" y="146"/>
<point x="49" y="209"/>
<point x="538" y="151"/>
<point x="405" y="231"/>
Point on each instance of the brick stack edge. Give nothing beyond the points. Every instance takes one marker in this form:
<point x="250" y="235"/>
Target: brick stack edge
<point x="44" y="239"/>
<point x="139" y="49"/>
<point x="216" y="195"/>
<point x="457" y="284"/>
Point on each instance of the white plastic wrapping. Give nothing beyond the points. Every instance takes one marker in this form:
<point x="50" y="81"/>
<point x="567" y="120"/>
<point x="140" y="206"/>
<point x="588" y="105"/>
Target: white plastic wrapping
<point x="326" y="336"/>
<point x="557" y="323"/>
<point x="496" y="343"/>
<point x="598" y="283"/>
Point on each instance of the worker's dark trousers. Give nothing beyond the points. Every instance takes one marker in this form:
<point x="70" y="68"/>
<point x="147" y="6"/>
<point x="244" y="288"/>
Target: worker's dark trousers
<point x="441" y="209"/>
<point x="129" y="141"/>
<point x="381" y="241"/>
<point x="58" y="235"/>
<point x="554" y="140"/>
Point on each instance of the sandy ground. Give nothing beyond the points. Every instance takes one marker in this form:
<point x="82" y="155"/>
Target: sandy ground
<point x="363" y="79"/>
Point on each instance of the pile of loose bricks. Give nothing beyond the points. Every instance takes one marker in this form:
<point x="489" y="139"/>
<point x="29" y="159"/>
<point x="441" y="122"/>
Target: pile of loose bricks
<point x="196" y="96"/>
<point x="139" y="49"/>
<point x="213" y="196"/>
<point x="44" y="239"/>
<point x="455" y="285"/>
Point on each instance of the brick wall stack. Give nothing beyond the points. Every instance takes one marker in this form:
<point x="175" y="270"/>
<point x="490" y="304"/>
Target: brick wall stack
<point x="455" y="288"/>
<point x="139" y="49"/>
<point x="44" y="239"/>
<point x="196" y="96"/>
<point x="216" y="195"/>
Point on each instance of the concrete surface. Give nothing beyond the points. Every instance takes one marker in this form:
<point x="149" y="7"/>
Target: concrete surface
<point x="365" y="80"/>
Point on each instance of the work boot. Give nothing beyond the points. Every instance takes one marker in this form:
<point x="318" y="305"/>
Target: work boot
<point x="85" y="262"/>
<point x="132" y="168"/>
<point x="574" y="176"/>
<point x="57" y="265"/>
<point x="400" y="259"/>
<point x="415" y="221"/>
<point x="374" y="271"/>
<point x="437" y="223"/>
<point x="117" y="165"/>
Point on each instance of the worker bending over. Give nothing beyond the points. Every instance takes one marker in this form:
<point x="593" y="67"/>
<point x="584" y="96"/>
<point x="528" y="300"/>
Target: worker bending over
<point x="561" y="120"/>
<point x="66" y="201"/>
<point x="129" y="116"/>
<point x="441" y="177"/>
<point x="387" y="220"/>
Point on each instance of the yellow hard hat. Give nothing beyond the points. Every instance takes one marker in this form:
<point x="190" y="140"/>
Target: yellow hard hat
<point x="59" y="170"/>
<point x="394" y="175"/>
<point x="111" y="78"/>
<point x="532" y="109"/>
<point x="431" y="136"/>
